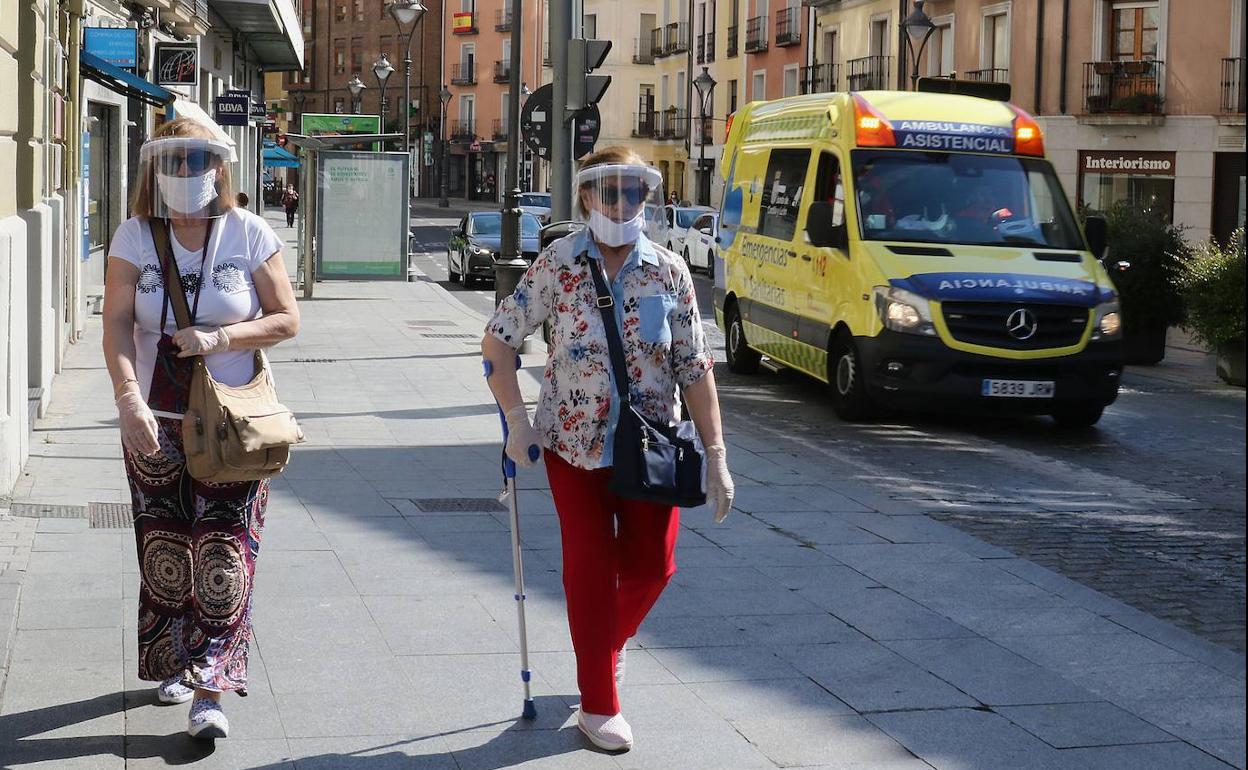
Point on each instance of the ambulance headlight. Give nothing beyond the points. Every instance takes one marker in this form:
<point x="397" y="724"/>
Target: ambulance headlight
<point x="904" y="311"/>
<point x="1107" y="324"/>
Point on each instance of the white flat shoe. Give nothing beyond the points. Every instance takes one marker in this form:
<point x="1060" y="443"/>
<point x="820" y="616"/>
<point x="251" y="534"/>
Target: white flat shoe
<point x="172" y="691"/>
<point x="611" y="733"/>
<point x="207" y="720"/>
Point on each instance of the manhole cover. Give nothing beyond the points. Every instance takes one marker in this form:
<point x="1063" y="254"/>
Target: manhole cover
<point x="445" y="336"/>
<point x="45" y="511"/>
<point x="458" y="504"/>
<point x="110" y="515"/>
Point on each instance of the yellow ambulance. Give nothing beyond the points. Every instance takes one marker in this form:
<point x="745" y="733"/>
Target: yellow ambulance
<point x="913" y="249"/>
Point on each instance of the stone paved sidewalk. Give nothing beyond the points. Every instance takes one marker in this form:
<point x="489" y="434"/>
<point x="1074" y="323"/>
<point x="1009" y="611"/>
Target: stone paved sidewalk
<point x="826" y="625"/>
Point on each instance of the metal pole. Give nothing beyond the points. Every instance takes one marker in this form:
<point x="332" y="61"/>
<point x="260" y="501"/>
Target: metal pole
<point x="511" y="211"/>
<point x="443" y="132"/>
<point x="407" y="117"/>
<point x="560" y="130"/>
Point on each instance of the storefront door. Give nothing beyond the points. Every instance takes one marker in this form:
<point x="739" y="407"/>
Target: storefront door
<point x="1228" y="194"/>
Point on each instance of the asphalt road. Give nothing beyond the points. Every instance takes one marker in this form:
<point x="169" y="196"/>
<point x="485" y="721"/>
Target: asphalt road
<point x="1147" y="507"/>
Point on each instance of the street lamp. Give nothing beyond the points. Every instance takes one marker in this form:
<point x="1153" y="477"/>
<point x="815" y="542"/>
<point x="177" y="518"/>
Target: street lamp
<point x="407" y="14"/>
<point x="919" y="28"/>
<point x="382" y="71"/>
<point x="356" y="87"/>
<point x="444" y="96"/>
<point x="705" y="85"/>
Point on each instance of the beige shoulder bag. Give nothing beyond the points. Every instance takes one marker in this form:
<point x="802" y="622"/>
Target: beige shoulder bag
<point x="229" y="433"/>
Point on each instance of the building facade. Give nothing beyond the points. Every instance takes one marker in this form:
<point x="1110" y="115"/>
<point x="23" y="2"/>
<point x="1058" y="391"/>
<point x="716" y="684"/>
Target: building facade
<point x="85" y="79"/>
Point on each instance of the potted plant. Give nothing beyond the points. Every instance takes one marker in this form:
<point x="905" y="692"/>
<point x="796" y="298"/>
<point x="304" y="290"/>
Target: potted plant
<point x="1213" y="289"/>
<point x="1148" y="253"/>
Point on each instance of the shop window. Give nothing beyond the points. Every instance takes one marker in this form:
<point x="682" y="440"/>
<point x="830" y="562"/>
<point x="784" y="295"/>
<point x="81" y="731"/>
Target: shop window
<point x="782" y="193"/>
<point x="1146" y="179"/>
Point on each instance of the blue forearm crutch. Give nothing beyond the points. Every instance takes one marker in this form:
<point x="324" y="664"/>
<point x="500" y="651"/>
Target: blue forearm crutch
<point x="509" y="482"/>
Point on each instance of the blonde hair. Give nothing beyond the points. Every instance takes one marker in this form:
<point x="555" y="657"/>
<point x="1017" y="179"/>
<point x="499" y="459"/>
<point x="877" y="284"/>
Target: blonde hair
<point x="141" y="203"/>
<point x="615" y="154"/>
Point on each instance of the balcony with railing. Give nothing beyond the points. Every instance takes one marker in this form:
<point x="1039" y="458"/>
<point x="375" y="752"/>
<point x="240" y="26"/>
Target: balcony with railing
<point x="733" y="42"/>
<point x="464" y="73"/>
<point x="1234" y="84"/>
<point x="463" y="130"/>
<point x="989" y="75"/>
<point x="1123" y="87"/>
<point x="676" y="37"/>
<point x="643" y="51"/>
<point x="673" y="124"/>
<point x="868" y="73"/>
<point x="502" y="20"/>
<point x="658" y="42"/>
<point x="499" y="132"/>
<point x="502" y="71"/>
<point x="820" y="78"/>
<point x="756" y="34"/>
<point x="788" y="26"/>
<point x="645" y="124"/>
<point x="706" y="47"/>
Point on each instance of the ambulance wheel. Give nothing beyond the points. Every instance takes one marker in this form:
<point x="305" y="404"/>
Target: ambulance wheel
<point x="846" y="381"/>
<point x="741" y="359"/>
<point x="1078" y="416"/>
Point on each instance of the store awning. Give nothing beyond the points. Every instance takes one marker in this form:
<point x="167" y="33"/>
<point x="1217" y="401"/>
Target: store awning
<point x="183" y="108"/>
<point x="276" y="157"/>
<point x="116" y="79"/>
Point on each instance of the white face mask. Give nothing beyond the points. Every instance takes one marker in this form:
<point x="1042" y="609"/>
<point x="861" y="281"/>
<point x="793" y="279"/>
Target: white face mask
<point x="188" y="194"/>
<point x="614" y="234"/>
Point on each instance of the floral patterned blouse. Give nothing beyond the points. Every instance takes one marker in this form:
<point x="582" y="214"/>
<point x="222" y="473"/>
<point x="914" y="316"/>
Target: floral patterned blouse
<point x="664" y="344"/>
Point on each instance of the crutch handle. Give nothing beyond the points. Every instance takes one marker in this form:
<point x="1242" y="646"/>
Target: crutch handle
<point x="535" y="452"/>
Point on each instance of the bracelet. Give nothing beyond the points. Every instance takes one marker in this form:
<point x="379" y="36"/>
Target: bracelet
<point x="118" y="387"/>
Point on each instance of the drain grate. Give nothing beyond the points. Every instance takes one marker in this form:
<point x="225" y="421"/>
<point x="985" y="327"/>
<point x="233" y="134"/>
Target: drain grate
<point x="431" y="322"/>
<point x="309" y="361"/>
<point x="45" y="511"/>
<point x="446" y="336"/>
<point x="458" y="504"/>
<point x="110" y="515"/>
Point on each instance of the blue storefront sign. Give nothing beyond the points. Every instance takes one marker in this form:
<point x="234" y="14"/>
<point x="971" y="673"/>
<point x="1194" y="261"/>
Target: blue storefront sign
<point x="231" y="110"/>
<point x="118" y="46"/>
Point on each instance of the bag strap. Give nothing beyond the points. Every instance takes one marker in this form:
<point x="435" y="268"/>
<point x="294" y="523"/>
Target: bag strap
<point x="182" y="313"/>
<point x="615" y="344"/>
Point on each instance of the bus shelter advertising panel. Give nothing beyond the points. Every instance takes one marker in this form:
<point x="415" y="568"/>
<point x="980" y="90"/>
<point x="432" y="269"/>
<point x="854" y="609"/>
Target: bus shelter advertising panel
<point x="361" y="215"/>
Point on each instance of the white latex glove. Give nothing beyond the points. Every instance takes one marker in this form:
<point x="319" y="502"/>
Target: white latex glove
<point x="200" y="341"/>
<point x="719" y="488"/>
<point x="138" y="426"/>
<point x="520" y="436"/>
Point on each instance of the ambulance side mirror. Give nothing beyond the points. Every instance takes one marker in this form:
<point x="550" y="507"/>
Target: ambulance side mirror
<point x="820" y="230"/>
<point x="1097" y="231"/>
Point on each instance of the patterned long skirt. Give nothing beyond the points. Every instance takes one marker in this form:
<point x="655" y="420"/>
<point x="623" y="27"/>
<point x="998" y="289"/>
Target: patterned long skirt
<point x="197" y="545"/>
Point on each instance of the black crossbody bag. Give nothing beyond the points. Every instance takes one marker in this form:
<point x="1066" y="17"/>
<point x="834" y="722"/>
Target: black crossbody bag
<point x="653" y="462"/>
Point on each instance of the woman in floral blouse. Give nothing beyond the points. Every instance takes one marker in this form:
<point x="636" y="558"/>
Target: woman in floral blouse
<point x="618" y="554"/>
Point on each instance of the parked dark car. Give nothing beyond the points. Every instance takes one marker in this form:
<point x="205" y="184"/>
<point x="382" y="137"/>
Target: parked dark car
<point x="476" y="241"/>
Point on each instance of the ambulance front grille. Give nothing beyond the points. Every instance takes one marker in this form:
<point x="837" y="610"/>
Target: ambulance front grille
<point x="989" y="323"/>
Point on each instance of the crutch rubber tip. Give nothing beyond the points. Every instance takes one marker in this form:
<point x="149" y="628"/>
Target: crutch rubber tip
<point x="534" y="452"/>
<point x="530" y="710"/>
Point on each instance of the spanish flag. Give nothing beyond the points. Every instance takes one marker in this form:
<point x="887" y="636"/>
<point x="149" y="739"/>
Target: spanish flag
<point x="461" y="23"/>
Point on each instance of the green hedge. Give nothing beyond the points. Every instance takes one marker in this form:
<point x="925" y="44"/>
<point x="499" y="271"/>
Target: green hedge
<point x="1213" y="291"/>
<point x="1150" y="289"/>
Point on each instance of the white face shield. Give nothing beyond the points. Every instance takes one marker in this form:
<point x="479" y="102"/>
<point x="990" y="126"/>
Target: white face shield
<point x="613" y="200"/>
<point x="183" y="175"/>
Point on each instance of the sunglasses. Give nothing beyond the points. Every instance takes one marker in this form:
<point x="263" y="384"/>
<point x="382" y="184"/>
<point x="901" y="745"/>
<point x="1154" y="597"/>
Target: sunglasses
<point x="197" y="161"/>
<point x="632" y="194"/>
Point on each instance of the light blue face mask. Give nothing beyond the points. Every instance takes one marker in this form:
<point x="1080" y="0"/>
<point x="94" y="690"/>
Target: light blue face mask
<point x="615" y="234"/>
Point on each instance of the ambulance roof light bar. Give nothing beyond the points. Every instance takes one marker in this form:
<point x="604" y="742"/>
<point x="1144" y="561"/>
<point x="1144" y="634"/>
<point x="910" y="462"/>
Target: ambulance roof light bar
<point x="1028" y="138"/>
<point x="871" y="129"/>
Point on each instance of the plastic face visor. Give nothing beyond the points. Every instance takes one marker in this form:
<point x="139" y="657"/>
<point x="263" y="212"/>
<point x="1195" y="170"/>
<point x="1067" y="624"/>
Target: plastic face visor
<point x="184" y="156"/>
<point x="617" y="190"/>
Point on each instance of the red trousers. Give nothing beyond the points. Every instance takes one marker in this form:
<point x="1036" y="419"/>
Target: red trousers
<point x="618" y="555"/>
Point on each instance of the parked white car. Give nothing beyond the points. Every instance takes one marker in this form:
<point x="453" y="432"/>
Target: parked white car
<point x="537" y="204"/>
<point x="699" y="246"/>
<point x="679" y="219"/>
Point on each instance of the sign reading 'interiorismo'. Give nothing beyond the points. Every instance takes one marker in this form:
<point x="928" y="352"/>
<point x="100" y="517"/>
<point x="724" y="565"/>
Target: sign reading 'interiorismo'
<point x="1127" y="162"/>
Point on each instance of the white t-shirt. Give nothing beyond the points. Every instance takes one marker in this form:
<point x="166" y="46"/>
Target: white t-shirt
<point x="240" y="243"/>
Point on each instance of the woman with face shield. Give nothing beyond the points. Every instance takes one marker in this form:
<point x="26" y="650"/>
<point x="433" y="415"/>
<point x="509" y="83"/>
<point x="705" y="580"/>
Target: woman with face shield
<point x="618" y="554"/>
<point x="197" y="542"/>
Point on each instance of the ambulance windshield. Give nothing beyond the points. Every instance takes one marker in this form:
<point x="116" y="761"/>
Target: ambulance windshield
<point x="982" y="200"/>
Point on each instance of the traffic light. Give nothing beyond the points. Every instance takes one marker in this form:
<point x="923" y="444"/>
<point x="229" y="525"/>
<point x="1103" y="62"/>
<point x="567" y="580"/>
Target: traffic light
<point x="585" y="56"/>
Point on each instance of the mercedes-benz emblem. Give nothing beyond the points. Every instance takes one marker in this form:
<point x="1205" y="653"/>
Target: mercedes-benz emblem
<point x="1022" y="324"/>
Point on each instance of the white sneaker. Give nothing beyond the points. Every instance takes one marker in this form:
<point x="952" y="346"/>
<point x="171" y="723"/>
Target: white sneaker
<point x="207" y="720"/>
<point x="172" y="691"/>
<point x="610" y="733"/>
<point x="619" y="668"/>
